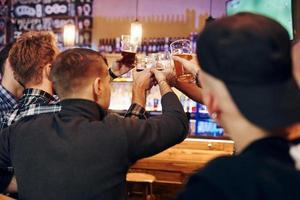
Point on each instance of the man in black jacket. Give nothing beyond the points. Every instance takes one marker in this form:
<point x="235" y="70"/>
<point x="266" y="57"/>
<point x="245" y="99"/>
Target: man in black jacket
<point x="83" y="152"/>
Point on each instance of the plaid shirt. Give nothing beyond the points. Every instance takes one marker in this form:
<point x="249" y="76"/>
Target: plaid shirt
<point x="7" y="101"/>
<point x="136" y="111"/>
<point x="33" y="102"/>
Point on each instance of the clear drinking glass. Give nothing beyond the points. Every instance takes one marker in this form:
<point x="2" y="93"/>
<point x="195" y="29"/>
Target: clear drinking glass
<point x="129" y="47"/>
<point x="183" y="49"/>
<point x="163" y="60"/>
<point x="146" y="62"/>
<point x="141" y="63"/>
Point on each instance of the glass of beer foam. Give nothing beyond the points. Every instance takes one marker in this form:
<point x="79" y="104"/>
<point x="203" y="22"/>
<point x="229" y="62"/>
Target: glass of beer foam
<point x="182" y="48"/>
<point x="129" y="47"/>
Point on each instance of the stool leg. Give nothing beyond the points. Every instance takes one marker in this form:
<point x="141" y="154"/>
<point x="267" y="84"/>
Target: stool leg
<point x="145" y="195"/>
<point x="150" y="195"/>
<point x="128" y="190"/>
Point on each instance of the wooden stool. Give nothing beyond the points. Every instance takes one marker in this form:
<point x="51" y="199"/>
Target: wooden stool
<point x="146" y="180"/>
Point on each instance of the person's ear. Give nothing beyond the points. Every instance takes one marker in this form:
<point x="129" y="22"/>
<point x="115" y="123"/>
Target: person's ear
<point x="97" y="87"/>
<point x="48" y="70"/>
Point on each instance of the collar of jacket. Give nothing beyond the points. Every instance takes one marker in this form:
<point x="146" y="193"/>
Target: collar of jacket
<point x="82" y="107"/>
<point x="269" y="147"/>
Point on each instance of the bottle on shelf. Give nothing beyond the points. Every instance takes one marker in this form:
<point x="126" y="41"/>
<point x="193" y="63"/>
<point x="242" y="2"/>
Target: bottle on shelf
<point x="118" y="45"/>
<point x="148" y="45"/>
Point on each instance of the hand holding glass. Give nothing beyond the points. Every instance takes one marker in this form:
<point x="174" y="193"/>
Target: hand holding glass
<point x="183" y="49"/>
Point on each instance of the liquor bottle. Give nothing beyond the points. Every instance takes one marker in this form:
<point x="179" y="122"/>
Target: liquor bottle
<point x="102" y="47"/>
<point x="144" y="46"/>
<point x="150" y="41"/>
<point x="154" y="41"/>
<point x="193" y="39"/>
<point x="111" y="46"/>
<point x="118" y="45"/>
<point x="99" y="46"/>
<point x="166" y="46"/>
<point x="105" y="45"/>
<point x="162" y="45"/>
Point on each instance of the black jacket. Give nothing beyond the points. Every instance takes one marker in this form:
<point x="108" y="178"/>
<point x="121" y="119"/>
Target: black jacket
<point x="84" y="153"/>
<point x="265" y="170"/>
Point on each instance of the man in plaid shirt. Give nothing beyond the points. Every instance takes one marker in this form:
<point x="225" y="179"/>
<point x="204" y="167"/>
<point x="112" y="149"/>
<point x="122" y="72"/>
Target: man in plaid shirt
<point x="30" y="58"/>
<point x="10" y="89"/>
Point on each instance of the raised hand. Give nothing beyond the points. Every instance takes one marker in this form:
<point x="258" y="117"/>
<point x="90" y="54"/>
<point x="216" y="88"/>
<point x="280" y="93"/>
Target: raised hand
<point x="190" y="66"/>
<point x="161" y="79"/>
<point x="142" y="81"/>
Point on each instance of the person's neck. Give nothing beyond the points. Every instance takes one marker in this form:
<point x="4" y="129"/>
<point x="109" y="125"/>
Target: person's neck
<point x="12" y="85"/>
<point x="44" y="87"/>
<point x="78" y="96"/>
<point x="243" y="133"/>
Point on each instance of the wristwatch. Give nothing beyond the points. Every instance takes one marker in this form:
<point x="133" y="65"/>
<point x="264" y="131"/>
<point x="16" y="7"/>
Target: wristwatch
<point x="112" y="75"/>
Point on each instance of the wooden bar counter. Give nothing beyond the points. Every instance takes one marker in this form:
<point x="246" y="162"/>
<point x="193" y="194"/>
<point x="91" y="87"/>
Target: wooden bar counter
<point x="177" y="163"/>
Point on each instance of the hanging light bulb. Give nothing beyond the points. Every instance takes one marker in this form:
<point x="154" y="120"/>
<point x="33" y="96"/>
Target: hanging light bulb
<point x="210" y="17"/>
<point x="136" y="32"/>
<point x="69" y="35"/>
<point x="136" y="29"/>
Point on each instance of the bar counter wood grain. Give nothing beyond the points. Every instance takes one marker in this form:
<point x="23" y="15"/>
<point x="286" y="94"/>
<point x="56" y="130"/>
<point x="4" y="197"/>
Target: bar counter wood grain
<point x="177" y="163"/>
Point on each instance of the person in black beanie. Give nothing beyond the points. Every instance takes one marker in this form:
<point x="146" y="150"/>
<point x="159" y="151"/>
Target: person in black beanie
<point x="249" y="89"/>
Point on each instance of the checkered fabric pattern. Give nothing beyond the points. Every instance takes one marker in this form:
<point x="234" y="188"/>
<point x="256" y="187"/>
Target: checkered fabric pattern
<point x="33" y="102"/>
<point x="7" y="101"/>
<point x="136" y="111"/>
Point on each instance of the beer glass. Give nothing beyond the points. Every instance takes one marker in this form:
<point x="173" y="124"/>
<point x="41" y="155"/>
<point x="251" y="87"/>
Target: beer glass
<point x="141" y="63"/>
<point x="129" y="47"/>
<point x="182" y="48"/>
<point x="163" y="60"/>
<point x="146" y="62"/>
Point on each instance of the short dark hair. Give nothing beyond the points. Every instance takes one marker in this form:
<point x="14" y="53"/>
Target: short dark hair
<point x="4" y="55"/>
<point x="30" y="53"/>
<point x="75" y="67"/>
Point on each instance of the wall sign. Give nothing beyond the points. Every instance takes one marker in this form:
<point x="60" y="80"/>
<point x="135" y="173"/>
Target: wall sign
<point x="84" y="8"/>
<point x="42" y="23"/>
<point x="56" y="9"/>
<point x="51" y="15"/>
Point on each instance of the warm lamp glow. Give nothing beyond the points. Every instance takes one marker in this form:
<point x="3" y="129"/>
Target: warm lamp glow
<point x="69" y="35"/>
<point x="136" y="31"/>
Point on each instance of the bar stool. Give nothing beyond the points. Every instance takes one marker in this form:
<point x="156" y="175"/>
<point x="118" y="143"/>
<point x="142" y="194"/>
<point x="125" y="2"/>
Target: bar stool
<point x="146" y="180"/>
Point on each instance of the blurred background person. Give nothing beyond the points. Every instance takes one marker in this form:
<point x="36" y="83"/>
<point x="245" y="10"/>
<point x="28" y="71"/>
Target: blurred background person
<point x="10" y="89"/>
<point x="30" y="58"/>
